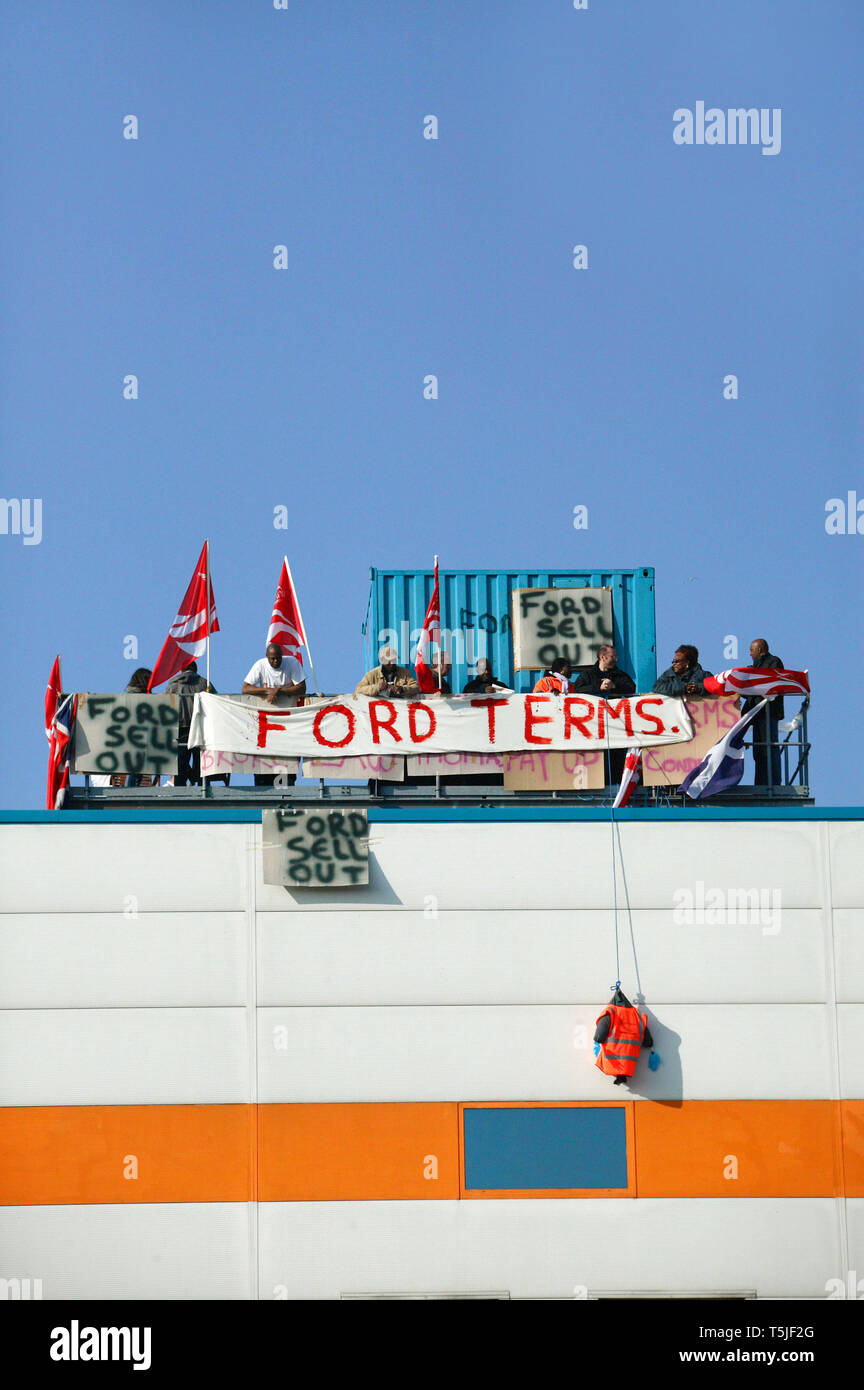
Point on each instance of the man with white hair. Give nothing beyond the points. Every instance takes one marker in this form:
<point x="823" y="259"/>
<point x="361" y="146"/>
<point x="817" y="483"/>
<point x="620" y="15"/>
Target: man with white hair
<point x="388" y="679"/>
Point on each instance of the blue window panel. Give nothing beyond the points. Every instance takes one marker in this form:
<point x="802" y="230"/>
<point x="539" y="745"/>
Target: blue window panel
<point x="530" y="1147"/>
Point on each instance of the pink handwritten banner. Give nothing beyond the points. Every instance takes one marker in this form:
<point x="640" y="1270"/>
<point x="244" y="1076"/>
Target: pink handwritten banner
<point x="711" y="719"/>
<point x="218" y="764"/>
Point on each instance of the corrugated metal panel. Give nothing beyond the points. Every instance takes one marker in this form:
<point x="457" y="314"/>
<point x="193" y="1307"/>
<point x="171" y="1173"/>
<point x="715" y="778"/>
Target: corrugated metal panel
<point x="475" y="610"/>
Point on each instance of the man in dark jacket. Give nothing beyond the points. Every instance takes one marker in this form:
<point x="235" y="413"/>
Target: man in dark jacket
<point x="485" y="683"/>
<point x="442" y="684"/>
<point x="765" y="725"/>
<point x="605" y="677"/>
<point x="607" y="680"/>
<point x="684" y="677"/>
<point x="187" y="685"/>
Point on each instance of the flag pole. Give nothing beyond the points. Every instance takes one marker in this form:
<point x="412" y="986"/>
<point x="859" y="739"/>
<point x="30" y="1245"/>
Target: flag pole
<point x="207" y="568"/>
<point x="303" y="625"/>
<point x="204" y="783"/>
<point x="435" y="581"/>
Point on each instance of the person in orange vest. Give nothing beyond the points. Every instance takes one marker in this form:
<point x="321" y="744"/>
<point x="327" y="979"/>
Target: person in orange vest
<point x="621" y="1033"/>
<point x="556" y="678"/>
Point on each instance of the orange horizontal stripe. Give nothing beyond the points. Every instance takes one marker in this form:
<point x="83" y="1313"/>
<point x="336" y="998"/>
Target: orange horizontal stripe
<point x="739" y="1148"/>
<point x="125" y="1153"/>
<point x="71" y="1155"/>
<point x="356" y="1152"/>
<point x="852" y="1118"/>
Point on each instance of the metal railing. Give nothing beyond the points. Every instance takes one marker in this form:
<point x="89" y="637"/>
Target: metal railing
<point x="788" y="750"/>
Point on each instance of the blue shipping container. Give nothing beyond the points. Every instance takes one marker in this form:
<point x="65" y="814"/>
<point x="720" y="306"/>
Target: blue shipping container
<point x="476" y="617"/>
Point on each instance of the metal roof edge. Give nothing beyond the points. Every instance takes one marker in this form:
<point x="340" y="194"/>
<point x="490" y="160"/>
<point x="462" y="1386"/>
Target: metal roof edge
<point x="445" y="814"/>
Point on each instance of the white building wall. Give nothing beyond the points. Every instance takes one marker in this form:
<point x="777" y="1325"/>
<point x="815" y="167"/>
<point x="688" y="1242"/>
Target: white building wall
<point x="148" y="964"/>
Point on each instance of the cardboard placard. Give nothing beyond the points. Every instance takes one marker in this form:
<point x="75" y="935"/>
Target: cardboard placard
<point x="455" y="764"/>
<point x="550" y="623"/>
<point x="218" y="764"/>
<point x="381" y="769"/>
<point x="711" y="719"/>
<point x="126" y="733"/>
<point x="315" y="849"/>
<point x="554" y="772"/>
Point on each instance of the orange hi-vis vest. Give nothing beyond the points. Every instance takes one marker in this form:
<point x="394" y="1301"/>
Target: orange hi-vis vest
<point x="552" y="684"/>
<point x="618" y="1054"/>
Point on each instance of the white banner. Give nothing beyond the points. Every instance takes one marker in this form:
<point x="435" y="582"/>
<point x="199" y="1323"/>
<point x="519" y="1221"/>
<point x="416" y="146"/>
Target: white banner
<point x="356" y="726"/>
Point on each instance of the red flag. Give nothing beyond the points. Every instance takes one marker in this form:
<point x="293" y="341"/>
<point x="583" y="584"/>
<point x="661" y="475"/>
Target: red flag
<point x="631" y="778"/>
<point x="187" y="638"/>
<point x="757" y="680"/>
<point x="431" y="633"/>
<point x="52" y="695"/>
<point x="286" y="625"/>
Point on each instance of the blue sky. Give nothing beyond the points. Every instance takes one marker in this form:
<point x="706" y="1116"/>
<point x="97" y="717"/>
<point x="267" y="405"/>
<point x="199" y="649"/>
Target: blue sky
<point x="406" y="256"/>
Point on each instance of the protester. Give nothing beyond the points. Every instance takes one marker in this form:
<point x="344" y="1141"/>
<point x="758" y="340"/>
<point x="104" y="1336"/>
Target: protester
<point x="442" y="685"/>
<point x="388" y="679"/>
<point x="605" y="677"/>
<point x="485" y="683"/>
<point x="272" y="676"/>
<point x="187" y="685"/>
<point x="137" y="686"/>
<point x="684" y="677"/>
<point x="275" y="675"/>
<point x="766" y="725"/>
<point x="556" y="678"/>
<point x="139" y="681"/>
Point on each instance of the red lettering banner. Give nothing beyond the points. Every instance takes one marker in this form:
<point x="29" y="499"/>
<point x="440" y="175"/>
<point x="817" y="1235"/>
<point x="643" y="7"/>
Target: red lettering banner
<point x="360" y="727"/>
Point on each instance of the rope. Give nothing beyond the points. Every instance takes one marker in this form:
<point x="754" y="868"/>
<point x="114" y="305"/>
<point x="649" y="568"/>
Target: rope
<point x="629" y="915"/>
<point x="616" y="832"/>
<point x="614" y="861"/>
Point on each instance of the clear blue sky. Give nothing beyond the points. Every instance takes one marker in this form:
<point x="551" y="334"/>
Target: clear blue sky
<point x="408" y="256"/>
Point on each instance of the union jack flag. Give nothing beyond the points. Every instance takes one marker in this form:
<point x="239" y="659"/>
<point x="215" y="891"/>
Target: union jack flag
<point x="757" y="680"/>
<point x="632" y="777"/>
<point x="60" y="750"/>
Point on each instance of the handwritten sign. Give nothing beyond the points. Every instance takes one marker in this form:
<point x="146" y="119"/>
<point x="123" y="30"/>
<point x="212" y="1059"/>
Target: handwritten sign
<point x="455" y="764"/>
<point x="556" y="772"/>
<point x="711" y="719"/>
<point x="315" y="849"/>
<point x="548" y="623"/>
<point x="126" y="733"/>
<point x="218" y="764"/>
<point x="381" y="769"/>
<point x="355" y="726"/>
<point x="521" y="771"/>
